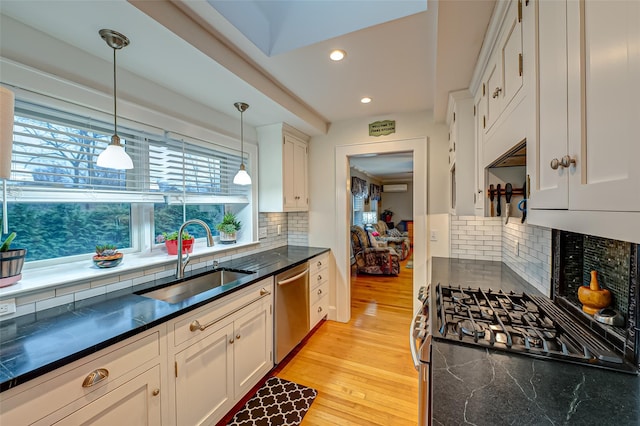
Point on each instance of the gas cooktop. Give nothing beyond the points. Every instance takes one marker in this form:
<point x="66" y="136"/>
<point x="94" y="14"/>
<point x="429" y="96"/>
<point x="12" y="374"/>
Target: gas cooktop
<point x="521" y="323"/>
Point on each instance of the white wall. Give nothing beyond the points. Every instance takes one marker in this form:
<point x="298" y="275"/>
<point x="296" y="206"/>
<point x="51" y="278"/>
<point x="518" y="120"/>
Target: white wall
<point x="400" y="203"/>
<point x="323" y="220"/>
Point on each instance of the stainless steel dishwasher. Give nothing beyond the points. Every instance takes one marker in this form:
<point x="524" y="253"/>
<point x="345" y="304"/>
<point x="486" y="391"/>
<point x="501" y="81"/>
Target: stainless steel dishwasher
<point x="292" y="309"/>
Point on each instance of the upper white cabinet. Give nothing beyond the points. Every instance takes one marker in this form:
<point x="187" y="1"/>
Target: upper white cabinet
<point x="461" y="153"/>
<point x="283" y="169"/>
<point x="588" y="118"/>
<point x="504" y="73"/>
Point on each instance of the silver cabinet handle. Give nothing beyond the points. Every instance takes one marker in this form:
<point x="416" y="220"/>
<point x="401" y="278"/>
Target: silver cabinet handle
<point x="95" y="377"/>
<point x="319" y="277"/>
<point x="555" y="163"/>
<point x="319" y="309"/>
<point x="319" y="291"/>
<point x="496" y="92"/>
<point x="237" y="336"/>
<point x="264" y="292"/>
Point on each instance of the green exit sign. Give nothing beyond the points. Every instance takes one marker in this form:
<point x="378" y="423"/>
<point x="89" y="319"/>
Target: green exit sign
<point x="382" y="128"/>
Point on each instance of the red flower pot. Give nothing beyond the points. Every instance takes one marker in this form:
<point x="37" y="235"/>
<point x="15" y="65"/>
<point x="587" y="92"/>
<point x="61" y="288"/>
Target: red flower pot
<point x="172" y="246"/>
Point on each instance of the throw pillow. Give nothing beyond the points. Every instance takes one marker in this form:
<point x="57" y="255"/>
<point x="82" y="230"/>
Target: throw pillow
<point x="394" y="233"/>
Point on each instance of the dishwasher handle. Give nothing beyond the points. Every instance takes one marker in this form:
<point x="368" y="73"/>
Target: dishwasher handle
<point x="294" y="278"/>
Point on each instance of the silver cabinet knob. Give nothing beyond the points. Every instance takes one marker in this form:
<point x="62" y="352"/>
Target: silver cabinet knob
<point x="319" y="309"/>
<point x="237" y="336"/>
<point x="156" y="392"/>
<point x="319" y="291"/>
<point x="567" y="161"/>
<point x="496" y="92"/>
<point x="555" y="163"/>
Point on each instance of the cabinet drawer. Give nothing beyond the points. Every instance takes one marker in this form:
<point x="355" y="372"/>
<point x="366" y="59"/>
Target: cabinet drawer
<point x="319" y="292"/>
<point x="318" y="311"/>
<point x="186" y="327"/>
<point x="61" y="388"/>
<point x="318" y="278"/>
<point x="318" y="262"/>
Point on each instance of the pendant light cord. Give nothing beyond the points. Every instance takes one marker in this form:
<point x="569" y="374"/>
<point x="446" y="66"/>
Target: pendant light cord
<point x="241" y="138"/>
<point x="115" y="96"/>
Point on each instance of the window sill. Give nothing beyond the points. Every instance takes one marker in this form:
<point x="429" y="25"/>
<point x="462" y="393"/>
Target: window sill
<point x="133" y="265"/>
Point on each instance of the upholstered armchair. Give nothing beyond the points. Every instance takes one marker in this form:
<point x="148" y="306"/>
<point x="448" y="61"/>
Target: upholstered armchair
<point x="373" y="260"/>
<point x="400" y="242"/>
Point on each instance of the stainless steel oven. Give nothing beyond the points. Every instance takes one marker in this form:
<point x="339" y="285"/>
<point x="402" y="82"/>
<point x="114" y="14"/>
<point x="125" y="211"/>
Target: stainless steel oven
<point x="420" y="343"/>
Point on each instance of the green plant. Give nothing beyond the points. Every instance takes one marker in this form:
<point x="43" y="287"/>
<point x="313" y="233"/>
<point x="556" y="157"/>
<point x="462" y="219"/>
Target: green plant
<point x="229" y="224"/>
<point x="7" y="242"/>
<point x="169" y="236"/>
<point x="106" y="250"/>
<point x="386" y="213"/>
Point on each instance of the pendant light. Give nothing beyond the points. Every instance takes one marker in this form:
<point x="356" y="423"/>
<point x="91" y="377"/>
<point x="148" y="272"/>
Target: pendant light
<point x="242" y="177"/>
<point x="114" y="156"/>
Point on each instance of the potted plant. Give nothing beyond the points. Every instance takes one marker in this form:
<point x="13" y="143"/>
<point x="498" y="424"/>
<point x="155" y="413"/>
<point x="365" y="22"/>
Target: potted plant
<point x="228" y="228"/>
<point x="171" y="242"/>
<point x="386" y="215"/>
<point x="107" y="256"/>
<point x="11" y="262"/>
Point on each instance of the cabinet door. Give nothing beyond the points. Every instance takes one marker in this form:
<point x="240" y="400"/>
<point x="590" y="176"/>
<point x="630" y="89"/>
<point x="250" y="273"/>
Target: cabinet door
<point x="137" y="402"/>
<point x="494" y="89"/>
<point x="253" y="347"/>
<point x="512" y="54"/>
<point x="288" y="176"/>
<point x="550" y="186"/>
<point x="204" y="379"/>
<point x="300" y="175"/>
<point x="480" y="103"/>
<point x="604" y="128"/>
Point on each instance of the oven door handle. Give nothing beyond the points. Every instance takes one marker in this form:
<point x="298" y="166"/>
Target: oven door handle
<point x="413" y="341"/>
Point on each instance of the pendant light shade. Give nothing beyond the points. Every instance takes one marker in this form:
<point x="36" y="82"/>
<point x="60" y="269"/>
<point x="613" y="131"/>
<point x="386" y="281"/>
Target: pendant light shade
<point x="114" y="156"/>
<point x="242" y="177"/>
<point x="7" y="100"/>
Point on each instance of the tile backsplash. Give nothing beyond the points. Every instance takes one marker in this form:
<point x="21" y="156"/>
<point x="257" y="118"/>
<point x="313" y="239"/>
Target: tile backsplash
<point x="293" y="231"/>
<point x="524" y="248"/>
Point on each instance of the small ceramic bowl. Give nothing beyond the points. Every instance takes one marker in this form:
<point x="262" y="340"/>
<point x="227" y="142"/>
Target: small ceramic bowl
<point x="108" y="261"/>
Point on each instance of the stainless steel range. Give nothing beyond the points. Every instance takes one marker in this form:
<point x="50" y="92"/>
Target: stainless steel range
<point x="521" y="323"/>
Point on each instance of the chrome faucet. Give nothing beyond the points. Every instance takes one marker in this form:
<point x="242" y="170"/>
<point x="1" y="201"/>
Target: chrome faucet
<point x="182" y="261"/>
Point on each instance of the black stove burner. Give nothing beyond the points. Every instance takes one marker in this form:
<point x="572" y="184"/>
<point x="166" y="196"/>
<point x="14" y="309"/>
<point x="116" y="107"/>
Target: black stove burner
<point x="471" y="328"/>
<point x="461" y="297"/>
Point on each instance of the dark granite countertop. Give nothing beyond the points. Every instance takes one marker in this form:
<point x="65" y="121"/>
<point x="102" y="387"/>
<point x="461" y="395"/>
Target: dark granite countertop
<point x="488" y="387"/>
<point x="34" y="344"/>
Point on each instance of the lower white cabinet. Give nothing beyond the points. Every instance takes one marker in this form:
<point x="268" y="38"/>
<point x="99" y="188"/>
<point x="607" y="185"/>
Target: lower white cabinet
<point x="227" y="350"/>
<point x="120" y="384"/>
<point x="137" y="402"/>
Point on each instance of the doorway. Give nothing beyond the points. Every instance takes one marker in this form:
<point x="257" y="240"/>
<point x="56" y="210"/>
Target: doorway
<point x="419" y="148"/>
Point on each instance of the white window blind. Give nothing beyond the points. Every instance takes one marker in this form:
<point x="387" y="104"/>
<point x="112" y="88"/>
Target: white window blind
<point x="195" y="172"/>
<point x="55" y="152"/>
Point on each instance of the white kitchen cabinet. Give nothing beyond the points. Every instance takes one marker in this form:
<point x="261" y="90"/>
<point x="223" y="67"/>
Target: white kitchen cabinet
<point x="318" y="289"/>
<point x="479" y="175"/>
<point x="137" y="402"/>
<point x="461" y="168"/>
<point x="112" y="386"/>
<point x="221" y="351"/>
<point x="283" y="169"/>
<point x="504" y="73"/>
<point x="585" y="162"/>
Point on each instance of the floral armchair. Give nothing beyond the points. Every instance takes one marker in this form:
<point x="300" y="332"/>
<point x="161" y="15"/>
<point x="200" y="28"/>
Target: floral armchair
<point x="400" y="242"/>
<point x="373" y="260"/>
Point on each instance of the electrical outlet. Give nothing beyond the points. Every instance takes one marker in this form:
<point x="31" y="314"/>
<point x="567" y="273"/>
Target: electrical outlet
<point x="516" y="248"/>
<point x="434" y="235"/>
<point x="262" y="233"/>
<point x="7" y="306"/>
<point x="279" y="229"/>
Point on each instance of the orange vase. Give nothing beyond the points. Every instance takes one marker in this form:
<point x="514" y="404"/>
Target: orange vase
<point x="592" y="297"/>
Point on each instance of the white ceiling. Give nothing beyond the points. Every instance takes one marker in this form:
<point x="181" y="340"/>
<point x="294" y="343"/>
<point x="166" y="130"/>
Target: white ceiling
<point x="407" y="64"/>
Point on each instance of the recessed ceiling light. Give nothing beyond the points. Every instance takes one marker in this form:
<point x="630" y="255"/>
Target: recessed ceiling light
<point x="337" y="55"/>
<point x="365" y="100"/>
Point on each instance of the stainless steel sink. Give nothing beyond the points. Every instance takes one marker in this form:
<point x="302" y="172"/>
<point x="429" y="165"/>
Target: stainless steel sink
<point x="191" y="286"/>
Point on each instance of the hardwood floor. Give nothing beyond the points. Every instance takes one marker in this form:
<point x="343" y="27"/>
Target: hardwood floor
<point x="362" y="369"/>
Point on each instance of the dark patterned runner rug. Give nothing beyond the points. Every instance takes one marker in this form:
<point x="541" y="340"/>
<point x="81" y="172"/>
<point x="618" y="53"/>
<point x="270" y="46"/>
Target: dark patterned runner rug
<point x="277" y="402"/>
